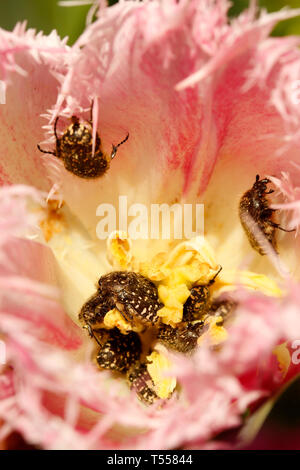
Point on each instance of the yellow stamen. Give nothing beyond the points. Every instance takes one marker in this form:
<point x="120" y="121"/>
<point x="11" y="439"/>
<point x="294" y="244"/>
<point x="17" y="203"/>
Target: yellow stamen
<point x="119" y="249"/>
<point x="53" y="221"/>
<point x="190" y="263"/>
<point x="114" y="319"/>
<point x="158" y="367"/>
<point x="230" y="279"/>
<point x="216" y="333"/>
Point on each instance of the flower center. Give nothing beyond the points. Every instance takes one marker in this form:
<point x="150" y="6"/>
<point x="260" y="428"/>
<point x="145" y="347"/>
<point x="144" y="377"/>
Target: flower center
<point x="143" y="310"/>
<point x="170" y="304"/>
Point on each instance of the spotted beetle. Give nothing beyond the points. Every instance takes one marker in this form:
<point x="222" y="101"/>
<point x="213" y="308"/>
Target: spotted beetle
<point x="75" y="149"/>
<point x="254" y="209"/>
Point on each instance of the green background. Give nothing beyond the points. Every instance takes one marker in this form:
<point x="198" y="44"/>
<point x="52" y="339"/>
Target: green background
<point x="46" y="15"/>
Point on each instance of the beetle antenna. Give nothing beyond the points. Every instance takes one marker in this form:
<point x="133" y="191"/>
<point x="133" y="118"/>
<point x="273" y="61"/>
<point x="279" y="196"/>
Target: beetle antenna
<point x="55" y="124"/>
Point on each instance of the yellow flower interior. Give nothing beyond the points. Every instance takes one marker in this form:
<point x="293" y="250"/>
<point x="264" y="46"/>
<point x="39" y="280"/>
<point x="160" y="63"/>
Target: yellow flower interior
<point x="190" y="263"/>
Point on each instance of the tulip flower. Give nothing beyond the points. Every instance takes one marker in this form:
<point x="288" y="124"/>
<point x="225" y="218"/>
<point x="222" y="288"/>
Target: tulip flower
<point x="207" y="104"/>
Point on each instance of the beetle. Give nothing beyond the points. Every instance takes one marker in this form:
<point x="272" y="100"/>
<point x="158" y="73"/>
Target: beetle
<point x="198" y="303"/>
<point x="254" y="209"/>
<point x="132" y="294"/>
<point x="136" y="298"/>
<point x="183" y="338"/>
<point x="118" y="351"/>
<point x="223" y="308"/>
<point x="140" y="381"/>
<point x="75" y="149"/>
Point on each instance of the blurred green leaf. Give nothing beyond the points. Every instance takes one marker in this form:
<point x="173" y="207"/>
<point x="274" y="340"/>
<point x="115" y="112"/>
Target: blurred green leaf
<point x="44" y="15"/>
<point x="284" y="28"/>
<point x="291" y="26"/>
<point x="238" y="6"/>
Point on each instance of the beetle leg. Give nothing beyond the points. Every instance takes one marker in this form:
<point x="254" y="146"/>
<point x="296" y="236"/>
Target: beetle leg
<point x="46" y="151"/>
<point x="281" y="228"/>
<point x="285" y="230"/>
<point x="124" y="314"/>
<point x="214" y="278"/>
<point x="115" y="147"/>
<point x="91" y="333"/>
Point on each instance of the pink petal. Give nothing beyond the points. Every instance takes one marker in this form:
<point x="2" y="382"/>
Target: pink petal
<point x="29" y="65"/>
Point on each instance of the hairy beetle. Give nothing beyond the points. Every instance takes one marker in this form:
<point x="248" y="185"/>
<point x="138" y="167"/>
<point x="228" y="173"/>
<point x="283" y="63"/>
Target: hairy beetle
<point x="75" y="149"/>
<point x="254" y="209"/>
